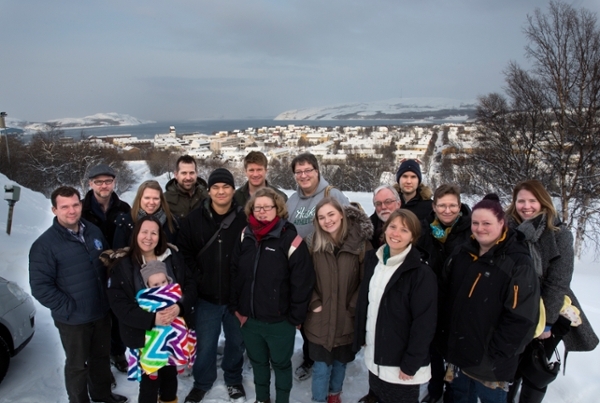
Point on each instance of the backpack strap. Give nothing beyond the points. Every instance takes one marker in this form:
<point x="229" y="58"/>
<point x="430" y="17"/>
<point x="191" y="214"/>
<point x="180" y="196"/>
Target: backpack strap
<point x="295" y="243"/>
<point x="328" y="190"/>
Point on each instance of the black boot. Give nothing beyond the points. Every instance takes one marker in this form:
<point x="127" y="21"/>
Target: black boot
<point x="530" y="395"/>
<point x="512" y="391"/>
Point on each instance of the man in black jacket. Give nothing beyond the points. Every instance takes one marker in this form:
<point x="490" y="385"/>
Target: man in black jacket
<point x="101" y="206"/>
<point x="415" y="196"/>
<point x="67" y="277"/>
<point x="207" y="238"/>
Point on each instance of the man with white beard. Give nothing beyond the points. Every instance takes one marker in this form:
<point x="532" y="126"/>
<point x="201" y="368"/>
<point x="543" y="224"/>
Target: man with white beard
<point x="385" y="199"/>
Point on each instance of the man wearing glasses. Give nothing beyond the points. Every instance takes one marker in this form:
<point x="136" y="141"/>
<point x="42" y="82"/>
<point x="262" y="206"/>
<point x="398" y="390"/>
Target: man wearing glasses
<point x="301" y="209"/>
<point x="311" y="189"/>
<point x="101" y="206"/>
<point x="386" y="200"/>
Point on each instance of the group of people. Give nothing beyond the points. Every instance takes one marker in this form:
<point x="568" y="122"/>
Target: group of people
<point x="432" y="291"/>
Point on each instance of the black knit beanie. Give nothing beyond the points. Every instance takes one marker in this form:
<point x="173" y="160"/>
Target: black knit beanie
<point x="409" y="165"/>
<point x="221" y="175"/>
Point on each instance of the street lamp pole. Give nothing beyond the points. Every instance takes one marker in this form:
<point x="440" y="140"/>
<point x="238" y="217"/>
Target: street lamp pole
<point x="3" y="126"/>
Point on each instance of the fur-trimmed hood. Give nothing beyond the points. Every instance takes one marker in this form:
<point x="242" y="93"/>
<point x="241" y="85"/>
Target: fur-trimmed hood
<point x="359" y="222"/>
<point x="360" y="230"/>
<point x="423" y="191"/>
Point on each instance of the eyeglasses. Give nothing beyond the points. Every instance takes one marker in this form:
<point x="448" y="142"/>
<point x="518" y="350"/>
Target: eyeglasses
<point x="305" y="172"/>
<point x="257" y="209"/>
<point x="451" y="207"/>
<point x="99" y="182"/>
<point x="386" y="202"/>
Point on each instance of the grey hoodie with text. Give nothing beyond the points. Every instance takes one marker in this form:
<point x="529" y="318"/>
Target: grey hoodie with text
<point x="301" y="208"/>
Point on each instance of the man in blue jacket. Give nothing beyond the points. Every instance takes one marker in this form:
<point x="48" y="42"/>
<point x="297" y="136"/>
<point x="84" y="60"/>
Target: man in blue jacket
<point x="67" y="277"/>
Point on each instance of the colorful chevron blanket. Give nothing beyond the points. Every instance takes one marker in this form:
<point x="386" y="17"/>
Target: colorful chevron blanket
<point x="164" y="345"/>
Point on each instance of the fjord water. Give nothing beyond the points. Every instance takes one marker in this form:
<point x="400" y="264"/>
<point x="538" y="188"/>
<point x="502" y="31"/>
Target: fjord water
<point x="149" y="130"/>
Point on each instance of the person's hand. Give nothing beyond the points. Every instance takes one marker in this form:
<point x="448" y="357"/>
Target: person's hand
<point x="545" y="335"/>
<point x="167" y="315"/>
<point x="162" y="318"/>
<point x="241" y="318"/>
<point x="404" y="377"/>
<point x="318" y="309"/>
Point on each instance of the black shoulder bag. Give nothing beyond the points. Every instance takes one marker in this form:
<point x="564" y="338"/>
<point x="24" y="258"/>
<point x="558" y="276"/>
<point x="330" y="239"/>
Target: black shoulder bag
<point x="224" y="225"/>
<point x="534" y="365"/>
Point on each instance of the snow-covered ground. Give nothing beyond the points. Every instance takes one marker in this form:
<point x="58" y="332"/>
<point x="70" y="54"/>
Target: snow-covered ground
<point x="36" y="374"/>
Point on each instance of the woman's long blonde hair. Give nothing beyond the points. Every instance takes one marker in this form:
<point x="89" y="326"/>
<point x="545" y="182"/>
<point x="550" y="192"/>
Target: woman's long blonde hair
<point x="322" y="241"/>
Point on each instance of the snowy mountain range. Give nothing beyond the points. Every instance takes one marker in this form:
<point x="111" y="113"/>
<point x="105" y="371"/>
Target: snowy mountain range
<point x="395" y="108"/>
<point x="97" y="120"/>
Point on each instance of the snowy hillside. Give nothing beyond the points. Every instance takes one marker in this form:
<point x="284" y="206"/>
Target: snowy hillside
<point x="396" y="108"/>
<point x="36" y="374"/>
<point x="99" y="119"/>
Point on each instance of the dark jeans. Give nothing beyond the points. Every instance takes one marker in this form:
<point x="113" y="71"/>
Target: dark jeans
<point x="209" y="319"/>
<point x="270" y="344"/>
<point x="87" y="364"/>
<point x="165" y="385"/>
<point x="467" y="390"/>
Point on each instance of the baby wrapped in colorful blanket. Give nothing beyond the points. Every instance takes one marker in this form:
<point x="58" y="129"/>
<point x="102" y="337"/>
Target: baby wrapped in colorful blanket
<point x="164" y="345"/>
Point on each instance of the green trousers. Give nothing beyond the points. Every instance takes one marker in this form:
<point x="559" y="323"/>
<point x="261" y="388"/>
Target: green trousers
<point x="270" y="344"/>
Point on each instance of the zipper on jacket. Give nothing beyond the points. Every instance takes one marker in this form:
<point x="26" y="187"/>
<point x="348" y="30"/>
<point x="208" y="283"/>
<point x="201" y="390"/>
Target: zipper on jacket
<point x="515" y="295"/>
<point x="474" y="284"/>
<point x="220" y="269"/>
<point x="256" y="258"/>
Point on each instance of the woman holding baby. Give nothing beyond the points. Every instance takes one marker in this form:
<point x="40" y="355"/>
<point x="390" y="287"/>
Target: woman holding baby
<point x="150" y="274"/>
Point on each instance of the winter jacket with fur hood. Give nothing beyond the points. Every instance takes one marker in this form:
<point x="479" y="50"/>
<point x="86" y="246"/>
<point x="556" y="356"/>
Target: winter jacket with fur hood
<point x="338" y="280"/>
<point x="492" y="307"/>
<point x="420" y="204"/>
<point x="302" y="208"/>
<point x="554" y="258"/>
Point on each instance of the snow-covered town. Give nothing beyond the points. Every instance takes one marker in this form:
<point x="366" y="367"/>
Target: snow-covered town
<point x="331" y="144"/>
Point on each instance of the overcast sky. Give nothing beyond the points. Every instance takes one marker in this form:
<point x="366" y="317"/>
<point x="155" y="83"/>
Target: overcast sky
<point x="195" y="59"/>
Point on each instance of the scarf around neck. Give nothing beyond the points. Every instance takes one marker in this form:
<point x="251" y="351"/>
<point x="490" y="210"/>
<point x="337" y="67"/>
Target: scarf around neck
<point x="533" y="230"/>
<point x="159" y="215"/>
<point x="261" y="228"/>
<point x="439" y="232"/>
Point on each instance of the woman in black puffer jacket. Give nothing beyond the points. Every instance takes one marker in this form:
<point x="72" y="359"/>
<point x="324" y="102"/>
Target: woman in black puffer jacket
<point x="491" y="300"/>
